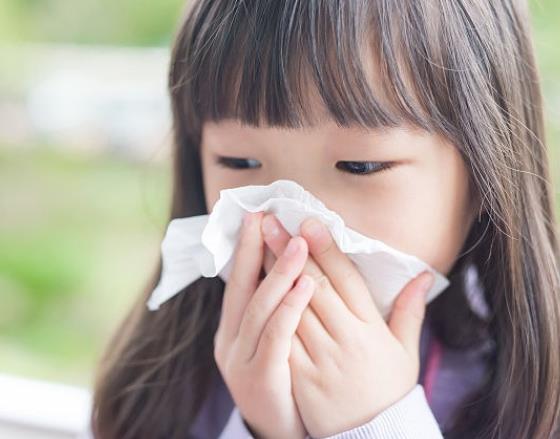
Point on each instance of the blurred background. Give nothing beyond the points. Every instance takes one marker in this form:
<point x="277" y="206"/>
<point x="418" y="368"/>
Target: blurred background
<point x="84" y="178"/>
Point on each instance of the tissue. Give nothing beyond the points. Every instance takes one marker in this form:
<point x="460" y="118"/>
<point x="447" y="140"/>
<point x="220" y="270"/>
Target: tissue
<point x="204" y="245"/>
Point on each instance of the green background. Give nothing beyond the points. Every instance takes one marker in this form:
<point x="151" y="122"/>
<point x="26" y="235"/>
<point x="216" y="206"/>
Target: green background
<point x="79" y="235"/>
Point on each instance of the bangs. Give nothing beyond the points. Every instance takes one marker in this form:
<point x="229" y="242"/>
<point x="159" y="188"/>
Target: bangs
<point x="297" y="63"/>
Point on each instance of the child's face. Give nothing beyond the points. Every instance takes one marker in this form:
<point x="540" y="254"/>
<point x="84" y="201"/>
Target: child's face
<point x="422" y="205"/>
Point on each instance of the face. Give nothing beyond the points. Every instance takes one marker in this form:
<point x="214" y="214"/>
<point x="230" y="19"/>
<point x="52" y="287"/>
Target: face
<point x="403" y="186"/>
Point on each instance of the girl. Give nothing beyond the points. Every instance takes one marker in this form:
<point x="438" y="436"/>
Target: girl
<point x="420" y="123"/>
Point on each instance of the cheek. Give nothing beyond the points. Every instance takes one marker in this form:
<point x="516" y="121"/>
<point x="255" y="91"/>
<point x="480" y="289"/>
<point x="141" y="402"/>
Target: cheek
<point x="433" y="229"/>
<point x="428" y="219"/>
<point x="215" y="178"/>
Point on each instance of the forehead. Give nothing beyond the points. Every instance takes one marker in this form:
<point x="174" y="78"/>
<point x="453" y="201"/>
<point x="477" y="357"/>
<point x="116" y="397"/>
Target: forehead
<point x="230" y="133"/>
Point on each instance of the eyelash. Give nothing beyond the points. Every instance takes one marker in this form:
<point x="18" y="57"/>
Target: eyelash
<point x="376" y="166"/>
<point x="373" y="167"/>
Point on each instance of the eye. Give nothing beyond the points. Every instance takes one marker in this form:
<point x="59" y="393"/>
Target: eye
<point x="237" y="162"/>
<point x="363" y="168"/>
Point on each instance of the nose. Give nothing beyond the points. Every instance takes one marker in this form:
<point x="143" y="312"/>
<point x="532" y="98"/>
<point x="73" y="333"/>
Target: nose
<point x="302" y="164"/>
<point x="307" y="180"/>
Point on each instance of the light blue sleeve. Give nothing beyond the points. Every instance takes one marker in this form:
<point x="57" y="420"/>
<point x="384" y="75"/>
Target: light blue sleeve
<point x="409" y="418"/>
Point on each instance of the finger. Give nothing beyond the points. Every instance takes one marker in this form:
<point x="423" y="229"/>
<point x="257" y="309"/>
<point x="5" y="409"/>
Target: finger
<point x="326" y="303"/>
<point x="317" y="341"/>
<point x="408" y="312"/>
<point x="269" y="294"/>
<point x="299" y="357"/>
<point x="341" y="271"/>
<point x="243" y="278"/>
<point x="276" y="338"/>
<point x="269" y="259"/>
<point x="275" y="235"/>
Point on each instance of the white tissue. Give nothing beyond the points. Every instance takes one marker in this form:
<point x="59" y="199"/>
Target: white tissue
<point x="203" y="245"/>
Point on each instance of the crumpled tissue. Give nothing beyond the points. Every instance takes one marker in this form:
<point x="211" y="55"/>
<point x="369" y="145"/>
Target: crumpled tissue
<point x="204" y="245"/>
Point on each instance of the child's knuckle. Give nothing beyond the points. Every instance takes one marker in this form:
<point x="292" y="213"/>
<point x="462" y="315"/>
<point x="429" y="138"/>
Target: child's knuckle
<point x="322" y="282"/>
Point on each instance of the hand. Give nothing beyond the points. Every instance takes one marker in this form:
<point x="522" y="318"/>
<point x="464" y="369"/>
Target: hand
<point x="253" y="340"/>
<point x="347" y="364"/>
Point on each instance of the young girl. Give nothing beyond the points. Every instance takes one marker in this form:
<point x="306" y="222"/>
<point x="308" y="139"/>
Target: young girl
<point x="420" y="123"/>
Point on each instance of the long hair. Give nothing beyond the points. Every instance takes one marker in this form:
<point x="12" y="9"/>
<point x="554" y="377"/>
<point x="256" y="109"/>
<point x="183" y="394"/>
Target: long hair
<point x="464" y="69"/>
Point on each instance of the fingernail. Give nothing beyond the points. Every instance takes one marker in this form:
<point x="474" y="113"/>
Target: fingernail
<point x="269" y="226"/>
<point x="313" y="228"/>
<point x="304" y="282"/>
<point x="292" y="247"/>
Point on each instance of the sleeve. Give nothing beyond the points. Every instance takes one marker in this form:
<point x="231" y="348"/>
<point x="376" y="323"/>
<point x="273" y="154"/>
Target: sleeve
<point x="408" y="418"/>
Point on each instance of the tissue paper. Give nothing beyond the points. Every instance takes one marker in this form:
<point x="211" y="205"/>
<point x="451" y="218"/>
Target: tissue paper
<point x="204" y="245"/>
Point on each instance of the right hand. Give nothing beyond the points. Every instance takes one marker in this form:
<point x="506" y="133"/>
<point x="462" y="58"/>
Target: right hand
<point x="253" y="341"/>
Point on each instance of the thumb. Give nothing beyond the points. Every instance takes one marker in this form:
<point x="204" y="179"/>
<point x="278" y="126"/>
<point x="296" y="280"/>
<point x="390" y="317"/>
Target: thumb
<point x="408" y="312"/>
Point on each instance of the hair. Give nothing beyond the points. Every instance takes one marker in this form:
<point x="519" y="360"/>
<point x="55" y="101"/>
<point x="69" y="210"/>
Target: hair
<point x="464" y="69"/>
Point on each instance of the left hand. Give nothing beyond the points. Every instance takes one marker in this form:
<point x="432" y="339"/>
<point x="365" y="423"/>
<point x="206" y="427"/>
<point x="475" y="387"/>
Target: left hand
<point x="347" y="363"/>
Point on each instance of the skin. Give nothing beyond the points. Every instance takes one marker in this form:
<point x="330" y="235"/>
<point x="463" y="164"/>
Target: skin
<point x="403" y="209"/>
<point x="305" y="364"/>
